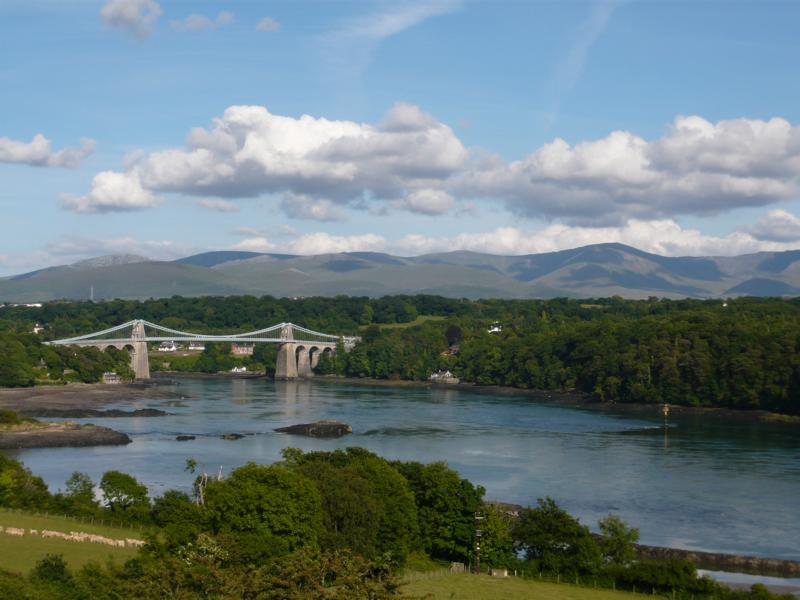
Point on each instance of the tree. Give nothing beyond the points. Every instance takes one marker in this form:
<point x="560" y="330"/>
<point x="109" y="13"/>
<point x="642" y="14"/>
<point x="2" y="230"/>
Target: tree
<point x="446" y="506"/>
<point x="555" y="541"/>
<point x="618" y="540"/>
<point x="123" y="493"/>
<point x="264" y="511"/>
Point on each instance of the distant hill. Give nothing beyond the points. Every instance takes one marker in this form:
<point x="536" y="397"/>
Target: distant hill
<point x="589" y="271"/>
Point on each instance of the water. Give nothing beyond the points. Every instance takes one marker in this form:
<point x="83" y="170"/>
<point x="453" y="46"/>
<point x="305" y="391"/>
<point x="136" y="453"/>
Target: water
<point x="701" y="484"/>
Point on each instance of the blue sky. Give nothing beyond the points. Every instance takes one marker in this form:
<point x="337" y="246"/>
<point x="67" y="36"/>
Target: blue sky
<point x="506" y="127"/>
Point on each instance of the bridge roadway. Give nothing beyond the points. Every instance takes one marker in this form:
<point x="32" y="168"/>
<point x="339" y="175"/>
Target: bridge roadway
<point x="298" y="352"/>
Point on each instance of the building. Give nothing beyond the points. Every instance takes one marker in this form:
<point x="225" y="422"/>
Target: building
<point x="443" y="377"/>
<point x="242" y="349"/>
<point x="167" y="347"/>
<point x="111" y="378"/>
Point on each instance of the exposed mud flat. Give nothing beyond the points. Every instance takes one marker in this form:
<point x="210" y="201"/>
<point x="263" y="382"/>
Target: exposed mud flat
<point x="37" y="401"/>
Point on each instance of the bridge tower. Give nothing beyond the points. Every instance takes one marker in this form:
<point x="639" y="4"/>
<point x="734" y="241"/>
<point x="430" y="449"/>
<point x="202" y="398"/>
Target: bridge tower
<point x="140" y="362"/>
<point x="286" y="365"/>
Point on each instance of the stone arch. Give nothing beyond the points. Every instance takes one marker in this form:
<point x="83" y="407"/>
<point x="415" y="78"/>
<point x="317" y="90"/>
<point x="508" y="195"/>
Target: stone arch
<point x="303" y="361"/>
<point x="313" y="356"/>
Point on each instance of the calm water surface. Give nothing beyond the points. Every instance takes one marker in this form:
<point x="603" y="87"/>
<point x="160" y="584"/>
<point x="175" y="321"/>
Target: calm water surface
<point x="700" y="484"/>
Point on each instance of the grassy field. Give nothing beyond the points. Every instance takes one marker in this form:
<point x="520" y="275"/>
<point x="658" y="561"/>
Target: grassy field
<point x="446" y="586"/>
<point x="418" y="321"/>
<point x="19" y="554"/>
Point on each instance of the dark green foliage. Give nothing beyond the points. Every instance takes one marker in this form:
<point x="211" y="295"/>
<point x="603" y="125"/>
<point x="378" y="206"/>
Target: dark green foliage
<point x="125" y="497"/>
<point x="744" y="354"/>
<point x="446" y="507"/>
<point x="617" y="540"/>
<point x="52" y="568"/>
<point x="497" y="541"/>
<point x="555" y="542"/>
<point x="179" y="519"/>
<point x="663" y="576"/>
<point x="389" y="510"/>
<point x="19" y="488"/>
<point x="264" y="511"/>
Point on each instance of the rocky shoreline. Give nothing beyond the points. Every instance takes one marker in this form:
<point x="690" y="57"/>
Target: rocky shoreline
<point x="59" y="435"/>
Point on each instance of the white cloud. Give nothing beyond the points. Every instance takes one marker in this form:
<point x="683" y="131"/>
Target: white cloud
<point x="301" y="206"/>
<point x="268" y="25"/>
<point x="112" y="192"/>
<point x="195" y="22"/>
<point x="137" y="17"/>
<point x="777" y="226"/>
<point x="225" y="206"/>
<point x="410" y="160"/>
<point x="697" y="168"/>
<point x="664" y="237"/>
<point x="250" y="151"/>
<point x="427" y="202"/>
<point x="37" y="152"/>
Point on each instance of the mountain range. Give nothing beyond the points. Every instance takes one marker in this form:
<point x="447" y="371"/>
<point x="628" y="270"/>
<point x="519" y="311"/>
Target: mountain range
<point x="590" y="271"/>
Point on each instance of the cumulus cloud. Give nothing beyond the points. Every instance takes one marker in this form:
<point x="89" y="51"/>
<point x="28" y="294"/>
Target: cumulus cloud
<point x="195" y="22"/>
<point x="268" y="25"/>
<point x="410" y="160"/>
<point x="777" y="226"/>
<point x="250" y="151"/>
<point x="136" y="17"/>
<point x="301" y="206"/>
<point x="698" y="168"/>
<point x="38" y="153"/>
<point x="427" y="202"/>
<point x="112" y="192"/>
<point x="225" y="206"/>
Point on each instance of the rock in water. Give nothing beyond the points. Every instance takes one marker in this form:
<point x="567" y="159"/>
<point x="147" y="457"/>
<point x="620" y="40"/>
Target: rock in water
<point x="321" y="429"/>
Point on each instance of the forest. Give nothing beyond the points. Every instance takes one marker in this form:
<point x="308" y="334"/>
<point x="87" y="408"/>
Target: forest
<point x="738" y="353"/>
<point x="333" y="525"/>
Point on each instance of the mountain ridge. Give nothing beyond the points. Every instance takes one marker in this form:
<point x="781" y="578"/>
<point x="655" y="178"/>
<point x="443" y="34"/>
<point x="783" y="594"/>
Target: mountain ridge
<point x="595" y="270"/>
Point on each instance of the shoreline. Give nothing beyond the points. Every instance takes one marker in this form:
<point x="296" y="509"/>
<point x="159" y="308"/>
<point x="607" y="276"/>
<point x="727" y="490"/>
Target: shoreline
<point x="88" y="396"/>
<point x="60" y="435"/>
<point x="578" y="399"/>
<point x="76" y="397"/>
<point x="44" y="400"/>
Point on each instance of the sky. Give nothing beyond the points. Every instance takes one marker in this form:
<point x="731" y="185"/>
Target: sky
<point x="166" y="128"/>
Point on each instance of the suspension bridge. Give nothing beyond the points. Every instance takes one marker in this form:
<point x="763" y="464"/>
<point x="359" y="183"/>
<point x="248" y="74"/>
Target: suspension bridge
<point x="299" y="348"/>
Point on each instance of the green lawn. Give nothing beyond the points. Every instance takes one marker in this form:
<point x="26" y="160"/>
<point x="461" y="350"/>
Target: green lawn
<point x="418" y="321"/>
<point x="446" y="586"/>
<point x="19" y="554"/>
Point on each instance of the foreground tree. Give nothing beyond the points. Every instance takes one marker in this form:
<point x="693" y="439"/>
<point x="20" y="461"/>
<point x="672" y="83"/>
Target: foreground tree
<point x="555" y="541"/>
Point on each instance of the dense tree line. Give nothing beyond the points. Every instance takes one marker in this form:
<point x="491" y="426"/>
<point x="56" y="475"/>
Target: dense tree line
<point x="325" y="525"/>
<point x="25" y="361"/>
<point x="741" y="353"/>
